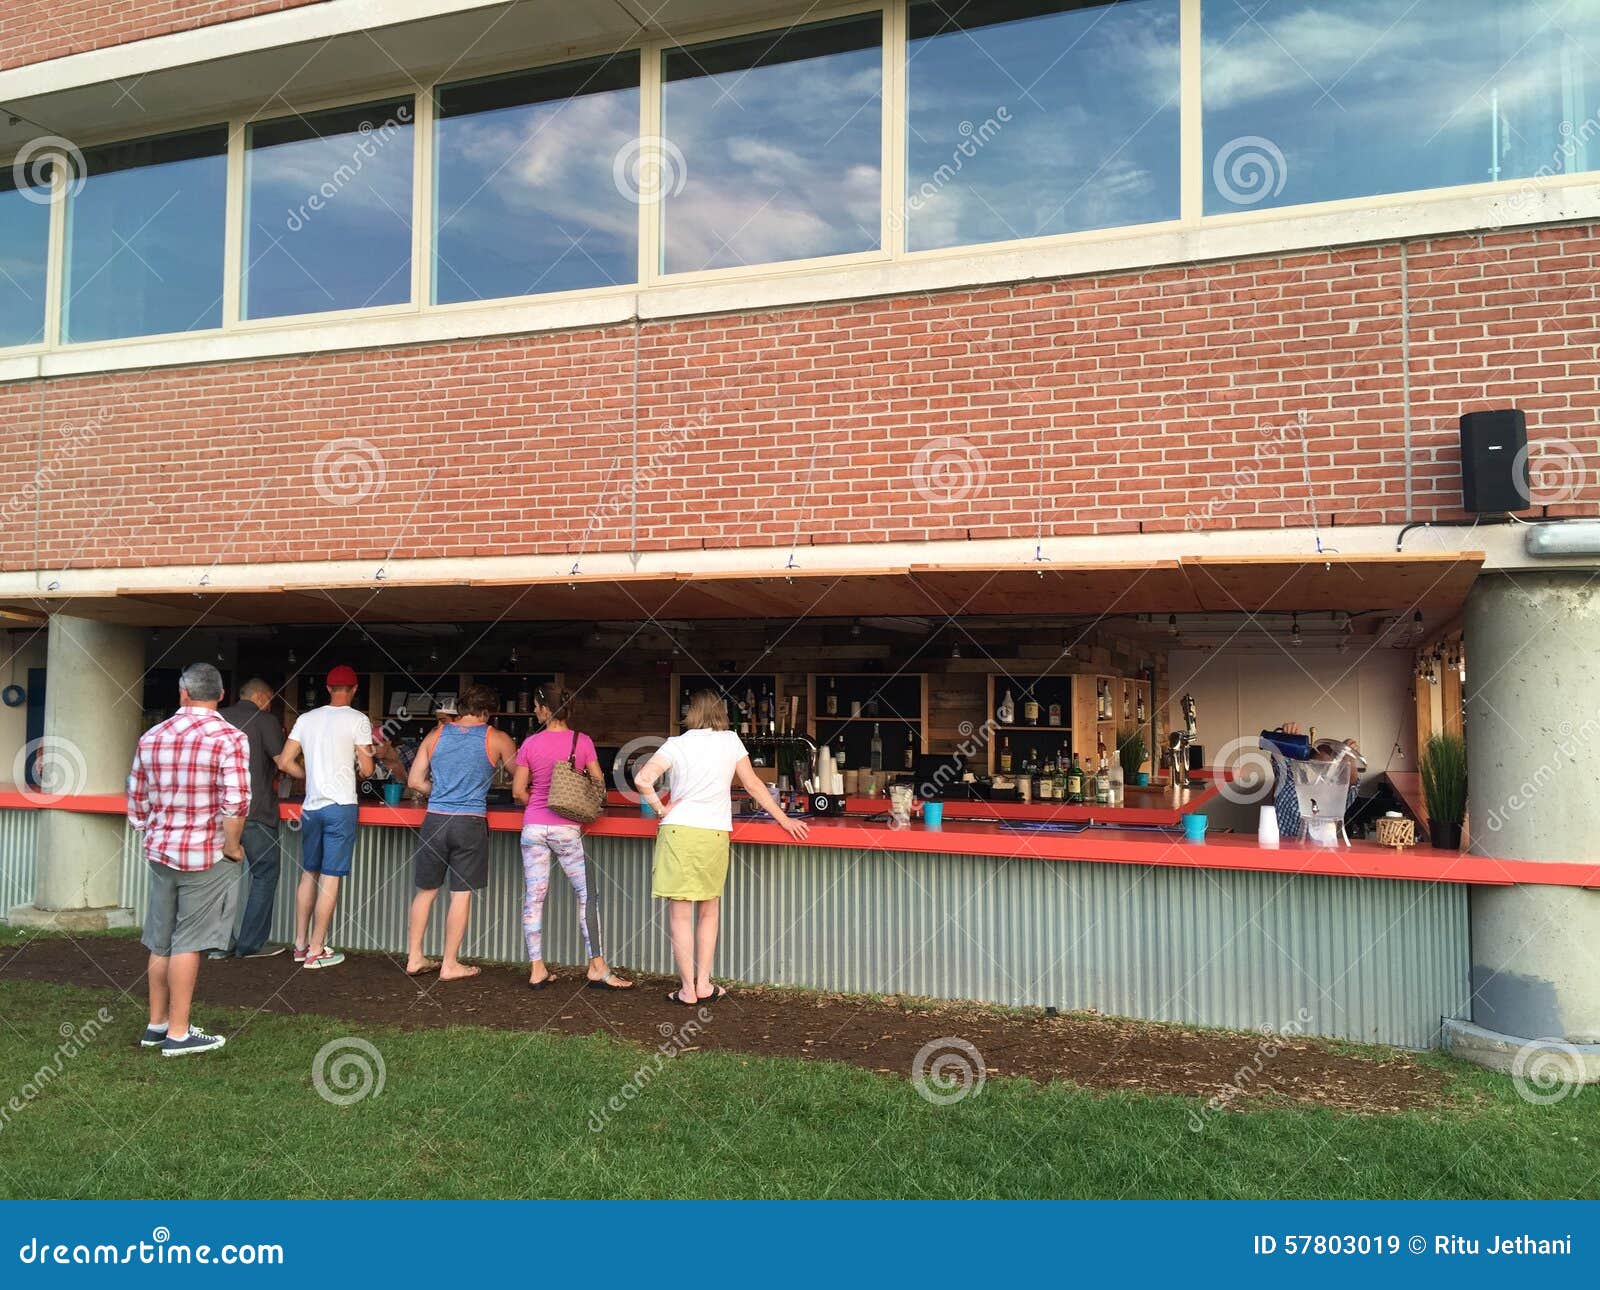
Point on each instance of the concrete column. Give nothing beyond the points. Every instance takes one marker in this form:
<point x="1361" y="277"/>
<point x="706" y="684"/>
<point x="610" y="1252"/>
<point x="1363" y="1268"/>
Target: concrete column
<point x="1533" y="743"/>
<point x="93" y="707"/>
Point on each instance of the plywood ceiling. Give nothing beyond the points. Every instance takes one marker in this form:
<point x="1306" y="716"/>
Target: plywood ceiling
<point x="1434" y="583"/>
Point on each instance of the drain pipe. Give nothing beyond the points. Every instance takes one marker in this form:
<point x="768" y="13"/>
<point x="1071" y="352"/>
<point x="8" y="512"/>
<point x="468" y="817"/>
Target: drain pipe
<point x="1405" y="365"/>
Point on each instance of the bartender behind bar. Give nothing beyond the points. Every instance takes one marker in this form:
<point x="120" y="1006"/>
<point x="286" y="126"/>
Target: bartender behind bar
<point x="1287" y="801"/>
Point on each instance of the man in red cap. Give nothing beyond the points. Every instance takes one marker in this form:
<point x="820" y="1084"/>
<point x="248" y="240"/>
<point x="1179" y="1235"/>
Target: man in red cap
<point x="335" y="740"/>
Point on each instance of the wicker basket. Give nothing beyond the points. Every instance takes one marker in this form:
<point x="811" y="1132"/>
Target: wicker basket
<point x="1398" y="834"/>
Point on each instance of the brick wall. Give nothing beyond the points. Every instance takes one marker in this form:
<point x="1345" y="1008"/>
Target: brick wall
<point x="38" y="30"/>
<point x="1160" y="401"/>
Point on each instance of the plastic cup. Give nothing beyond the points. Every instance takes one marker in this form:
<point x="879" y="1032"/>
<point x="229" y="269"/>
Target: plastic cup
<point x="646" y="810"/>
<point x="933" y="814"/>
<point x="392" y="793"/>
<point x="1142" y="779"/>
<point x="1194" y="828"/>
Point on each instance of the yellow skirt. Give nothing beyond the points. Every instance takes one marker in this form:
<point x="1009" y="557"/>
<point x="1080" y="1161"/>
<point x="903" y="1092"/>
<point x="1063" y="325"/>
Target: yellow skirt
<point x="690" y="863"/>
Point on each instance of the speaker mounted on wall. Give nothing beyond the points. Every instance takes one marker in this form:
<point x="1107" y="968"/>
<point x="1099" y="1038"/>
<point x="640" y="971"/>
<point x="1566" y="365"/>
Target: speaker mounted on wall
<point x="1494" y="462"/>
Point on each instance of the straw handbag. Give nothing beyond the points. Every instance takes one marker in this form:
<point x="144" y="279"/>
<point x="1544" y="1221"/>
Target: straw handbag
<point x="573" y="795"/>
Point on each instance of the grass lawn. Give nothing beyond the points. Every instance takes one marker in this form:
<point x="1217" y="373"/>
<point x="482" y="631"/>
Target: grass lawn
<point x="477" y="1113"/>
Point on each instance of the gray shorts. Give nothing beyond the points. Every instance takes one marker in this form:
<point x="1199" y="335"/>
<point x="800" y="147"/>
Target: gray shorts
<point x="186" y="912"/>
<point x="453" y="846"/>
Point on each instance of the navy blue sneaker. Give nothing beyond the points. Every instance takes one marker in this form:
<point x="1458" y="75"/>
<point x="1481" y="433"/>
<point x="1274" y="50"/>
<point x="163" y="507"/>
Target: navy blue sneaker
<point x="153" y="1038"/>
<point x="196" y="1041"/>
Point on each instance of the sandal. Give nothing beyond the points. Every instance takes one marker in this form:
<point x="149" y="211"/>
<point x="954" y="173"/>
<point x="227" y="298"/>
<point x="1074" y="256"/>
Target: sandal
<point x="605" y="983"/>
<point x="719" y="993"/>
<point x="423" y="971"/>
<point x="541" y="983"/>
<point x="676" y="996"/>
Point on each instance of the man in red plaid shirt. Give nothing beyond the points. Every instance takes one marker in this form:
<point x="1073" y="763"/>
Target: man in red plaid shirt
<point x="188" y="794"/>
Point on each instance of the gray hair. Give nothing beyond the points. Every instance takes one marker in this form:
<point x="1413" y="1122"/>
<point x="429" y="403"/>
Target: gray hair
<point x="201" y="681"/>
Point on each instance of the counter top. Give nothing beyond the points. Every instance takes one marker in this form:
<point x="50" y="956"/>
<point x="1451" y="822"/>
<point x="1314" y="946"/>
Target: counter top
<point x="968" y="837"/>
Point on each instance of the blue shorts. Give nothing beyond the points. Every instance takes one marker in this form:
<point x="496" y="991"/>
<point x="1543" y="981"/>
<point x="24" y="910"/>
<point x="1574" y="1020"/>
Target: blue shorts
<point x="328" y="840"/>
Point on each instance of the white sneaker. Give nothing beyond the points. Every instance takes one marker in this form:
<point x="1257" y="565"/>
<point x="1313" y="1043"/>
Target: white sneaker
<point x="196" y="1041"/>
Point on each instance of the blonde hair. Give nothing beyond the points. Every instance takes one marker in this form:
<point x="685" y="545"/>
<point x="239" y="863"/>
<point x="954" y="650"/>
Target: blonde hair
<point x="708" y="710"/>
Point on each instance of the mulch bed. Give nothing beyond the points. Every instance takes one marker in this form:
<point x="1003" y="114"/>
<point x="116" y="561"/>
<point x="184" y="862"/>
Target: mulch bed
<point x="880" y="1035"/>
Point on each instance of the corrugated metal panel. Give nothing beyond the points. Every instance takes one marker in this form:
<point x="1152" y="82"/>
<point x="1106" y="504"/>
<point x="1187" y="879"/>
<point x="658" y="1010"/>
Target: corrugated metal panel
<point x="1379" y="961"/>
<point x="19" y="831"/>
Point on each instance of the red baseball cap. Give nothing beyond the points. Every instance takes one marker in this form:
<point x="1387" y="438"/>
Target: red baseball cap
<point x="342" y="676"/>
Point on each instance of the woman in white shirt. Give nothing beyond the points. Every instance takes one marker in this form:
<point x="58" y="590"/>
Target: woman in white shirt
<point x="691" y="856"/>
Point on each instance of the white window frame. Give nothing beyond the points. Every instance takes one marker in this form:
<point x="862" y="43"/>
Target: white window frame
<point x="888" y="270"/>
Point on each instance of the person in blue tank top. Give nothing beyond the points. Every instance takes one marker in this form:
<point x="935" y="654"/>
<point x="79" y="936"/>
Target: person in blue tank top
<point x="454" y="767"/>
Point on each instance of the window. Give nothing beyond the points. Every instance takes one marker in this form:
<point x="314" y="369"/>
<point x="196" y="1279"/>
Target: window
<point x="773" y="146"/>
<point x="1025" y="119"/>
<point x="1318" y="100"/>
<point x="24" y="246"/>
<point x="328" y="211"/>
<point x="144" y="238"/>
<point x="527" y="197"/>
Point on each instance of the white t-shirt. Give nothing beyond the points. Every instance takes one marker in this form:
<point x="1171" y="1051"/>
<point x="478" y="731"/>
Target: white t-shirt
<point x="702" y="763"/>
<point x="328" y="736"/>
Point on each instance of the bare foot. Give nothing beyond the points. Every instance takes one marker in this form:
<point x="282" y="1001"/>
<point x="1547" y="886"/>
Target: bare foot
<point x="710" y="993"/>
<point x="458" y="971"/>
<point x="421" y="967"/>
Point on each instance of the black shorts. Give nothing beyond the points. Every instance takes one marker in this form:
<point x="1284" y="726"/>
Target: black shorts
<point x="457" y="845"/>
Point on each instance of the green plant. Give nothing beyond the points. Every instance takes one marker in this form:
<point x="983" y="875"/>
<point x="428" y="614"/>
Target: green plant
<point x="1130" y="750"/>
<point x="1444" y="779"/>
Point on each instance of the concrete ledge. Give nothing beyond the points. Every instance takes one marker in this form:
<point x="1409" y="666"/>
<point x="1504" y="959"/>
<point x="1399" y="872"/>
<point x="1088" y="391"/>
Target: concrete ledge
<point x="71" y="920"/>
<point x="1544" y="1070"/>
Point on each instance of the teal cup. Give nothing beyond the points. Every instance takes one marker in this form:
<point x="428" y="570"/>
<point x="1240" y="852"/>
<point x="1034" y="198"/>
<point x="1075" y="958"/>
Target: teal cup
<point x="1142" y="779"/>
<point x="1194" y="828"/>
<point x="933" y="814"/>
<point x="646" y="810"/>
<point x="392" y="793"/>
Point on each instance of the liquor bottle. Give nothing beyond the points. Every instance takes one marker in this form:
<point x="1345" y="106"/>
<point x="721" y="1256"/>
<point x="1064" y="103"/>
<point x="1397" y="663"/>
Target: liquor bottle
<point x="1127" y="707"/>
<point x="1139" y="709"/>
<point x="1075" y="782"/>
<point x="877" y="749"/>
<point x="1063" y="765"/>
<point x="1055" y="714"/>
<point x="1102" y="784"/>
<point x="1006" y="713"/>
<point x="909" y="761"/>
<point x="1005" y="755"/>
<point x="832" y="700"/>
<point x="1030" y="710"/>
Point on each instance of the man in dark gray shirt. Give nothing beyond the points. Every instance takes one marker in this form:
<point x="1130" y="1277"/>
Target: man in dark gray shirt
<point x="261" y="851"/>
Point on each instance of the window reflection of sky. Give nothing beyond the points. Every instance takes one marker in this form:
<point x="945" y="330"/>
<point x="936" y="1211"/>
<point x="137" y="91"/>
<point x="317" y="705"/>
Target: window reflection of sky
<point x="24" y="244"/>
<point x="528" y="200"/>
<point x="1362" y="97"/>
<point x="328" y="217"/>
<point x="1088" y="136"/>
<point x="780" y="162"/>
<point x="144" y="239"/>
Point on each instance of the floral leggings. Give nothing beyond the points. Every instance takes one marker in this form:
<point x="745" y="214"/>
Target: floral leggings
<point x="565" y="841"/>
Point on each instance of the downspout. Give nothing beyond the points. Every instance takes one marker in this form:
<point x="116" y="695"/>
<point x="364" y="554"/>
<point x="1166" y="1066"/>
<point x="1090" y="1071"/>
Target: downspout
<point x="1405" y="365"/>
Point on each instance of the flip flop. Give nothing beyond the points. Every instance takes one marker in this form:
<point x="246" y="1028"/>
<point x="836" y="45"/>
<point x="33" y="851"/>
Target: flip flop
<point x="423" y="971"/>
<point x="604" y="983"/>
<point x="718" y="997"/>
<point x="541" y="983"/>
<point x="676" y="997"/>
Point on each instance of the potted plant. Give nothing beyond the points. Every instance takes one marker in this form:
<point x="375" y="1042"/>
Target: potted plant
<point x="1131" y="753"/>
<point x="1444" y="787"/>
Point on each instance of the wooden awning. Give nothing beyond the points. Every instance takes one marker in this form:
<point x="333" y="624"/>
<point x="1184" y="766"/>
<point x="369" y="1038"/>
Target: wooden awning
<point x="1435" y="583"/>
